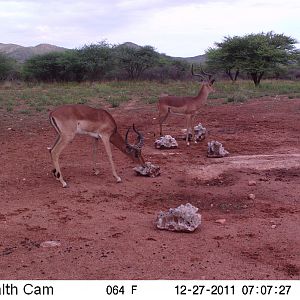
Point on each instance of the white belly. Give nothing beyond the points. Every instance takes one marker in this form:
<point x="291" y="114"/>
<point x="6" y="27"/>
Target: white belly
<point x="81" y="130"/>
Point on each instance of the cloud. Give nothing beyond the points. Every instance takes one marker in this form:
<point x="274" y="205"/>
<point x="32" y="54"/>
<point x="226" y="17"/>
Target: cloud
<point x="179" y="28"/>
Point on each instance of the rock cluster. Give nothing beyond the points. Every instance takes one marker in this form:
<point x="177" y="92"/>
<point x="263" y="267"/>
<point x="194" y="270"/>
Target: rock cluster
<point x="184" y="218"/>
<point x="166" y="142"/>
<point x="215" y="149"/>
<point x="148" y="170"/>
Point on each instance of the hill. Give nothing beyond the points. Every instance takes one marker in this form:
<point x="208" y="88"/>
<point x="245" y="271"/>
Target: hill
<point x="21" y="53"/>
<point x="199" y="59"/>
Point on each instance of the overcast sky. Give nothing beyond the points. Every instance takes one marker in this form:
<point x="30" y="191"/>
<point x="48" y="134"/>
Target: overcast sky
<point x="177" y="28"/>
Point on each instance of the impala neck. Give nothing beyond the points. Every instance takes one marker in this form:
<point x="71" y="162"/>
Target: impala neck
<point x="203" y="94"/>
<point x="117" y="140"/>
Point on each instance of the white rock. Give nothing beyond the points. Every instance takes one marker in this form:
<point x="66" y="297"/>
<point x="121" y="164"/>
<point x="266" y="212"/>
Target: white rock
<point x="148" y="170"/>
<point x="251" y="196"/>
<point x="48" y="244"/>
<point x="221" y="221"/>
<point x="166" y="142"/>
<point x="184" y="218"/>
<point x="251" y="182"/>
<point x="216" y="149"/>
<point x="199" y="131"/>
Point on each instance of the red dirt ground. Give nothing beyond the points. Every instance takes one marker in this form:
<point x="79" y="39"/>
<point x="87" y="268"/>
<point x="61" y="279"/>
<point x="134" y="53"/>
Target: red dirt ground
<point x="106" y="230"/>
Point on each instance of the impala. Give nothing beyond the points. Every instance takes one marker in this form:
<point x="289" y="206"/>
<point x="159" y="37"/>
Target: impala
<point x="69" y="120"/>
<point x="185" y="105"/>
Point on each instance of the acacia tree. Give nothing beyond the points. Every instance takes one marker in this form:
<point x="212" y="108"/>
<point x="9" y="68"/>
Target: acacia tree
<point x="253" y="53"/>
<point x="136" y="60"/>
<point x="7" y="67"/>
<point x="97" y="60"/>
<point x="44" y="67"/>
<point x="226" y="57"/>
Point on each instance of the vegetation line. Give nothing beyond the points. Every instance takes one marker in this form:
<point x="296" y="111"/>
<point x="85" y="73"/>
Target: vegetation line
<point x="31" y="98"/>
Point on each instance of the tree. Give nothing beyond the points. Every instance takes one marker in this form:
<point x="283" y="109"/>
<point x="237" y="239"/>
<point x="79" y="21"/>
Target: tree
<point x="255" y="54"/>
<point x="88" y="63"/>
<point x="136" y="60"/>
<point x="7" y="67"/>
<point x="168" y="68"/>
<point x="97" y="60"/>
<point x="44" y="67"/>
<point x="226" y="57"/>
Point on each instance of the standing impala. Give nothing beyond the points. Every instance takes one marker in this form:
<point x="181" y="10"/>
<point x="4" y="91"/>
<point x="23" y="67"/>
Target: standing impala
<point x="185" y="105"/>
<point x="69" y="120"/>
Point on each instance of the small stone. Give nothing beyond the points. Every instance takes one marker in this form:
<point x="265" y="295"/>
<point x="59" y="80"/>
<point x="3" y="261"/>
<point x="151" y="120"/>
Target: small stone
<point x="251" y="196"/>
<point x="251" y="182"/>
<point x="221" y="221"/>
<point x="273" y="226"/>
<point x="48" y="244"/>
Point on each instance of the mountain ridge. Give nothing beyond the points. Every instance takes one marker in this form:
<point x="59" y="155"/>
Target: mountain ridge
<point x="22" y="53"/>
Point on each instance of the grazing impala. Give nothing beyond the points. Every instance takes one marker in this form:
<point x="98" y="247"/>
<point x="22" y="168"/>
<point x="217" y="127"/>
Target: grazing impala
<point x="188" y="106"/>
<point x="69" y="120"/>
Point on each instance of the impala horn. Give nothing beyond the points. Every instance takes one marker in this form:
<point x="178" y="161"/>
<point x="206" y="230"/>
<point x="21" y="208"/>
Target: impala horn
<point x="140" y="139"/>
<point x="202" y="74"/>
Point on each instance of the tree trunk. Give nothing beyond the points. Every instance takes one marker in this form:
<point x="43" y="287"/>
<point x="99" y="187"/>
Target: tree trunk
<point x="257" y="76"/>
<point x="260" y="75"/>
<point x="237" y="72"/>
<point x="233" y="78"/>
<point x="228" y="72"/>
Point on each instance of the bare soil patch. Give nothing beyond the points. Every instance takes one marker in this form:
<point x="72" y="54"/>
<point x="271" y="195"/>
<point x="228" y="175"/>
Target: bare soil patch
<point x="104" y="230"/>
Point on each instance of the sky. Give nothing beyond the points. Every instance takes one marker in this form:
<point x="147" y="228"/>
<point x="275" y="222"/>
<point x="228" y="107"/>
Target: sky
<point x="177" y="28"/>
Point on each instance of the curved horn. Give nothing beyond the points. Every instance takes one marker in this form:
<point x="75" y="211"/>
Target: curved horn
<point x="140" y="138"/>
<point x="202" y="74"/>
<point x="126" y="138"/>
<point x="197" y="74"/>
<point x="206" y="74"/>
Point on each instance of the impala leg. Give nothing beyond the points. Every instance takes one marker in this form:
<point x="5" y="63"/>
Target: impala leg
<point x="188" y="127"/>
<point x="55" y="152"/>
<point x="107" y="147"/>
<point x="192" y="128"/>
<point x="95" y="147"/>
<point x="162" y="118"/>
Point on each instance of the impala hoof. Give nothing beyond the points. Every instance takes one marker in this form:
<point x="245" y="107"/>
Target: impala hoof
<point x="64" y="185"/>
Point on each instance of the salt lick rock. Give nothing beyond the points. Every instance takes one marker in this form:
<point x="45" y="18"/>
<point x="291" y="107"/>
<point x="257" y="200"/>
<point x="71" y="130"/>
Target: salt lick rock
<point x="184" y="218"/>
<point x="215" y="149"/>
<point x="166" y="142"/>
<point x="148" y="170"/>
<point x="199" y="131"/>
